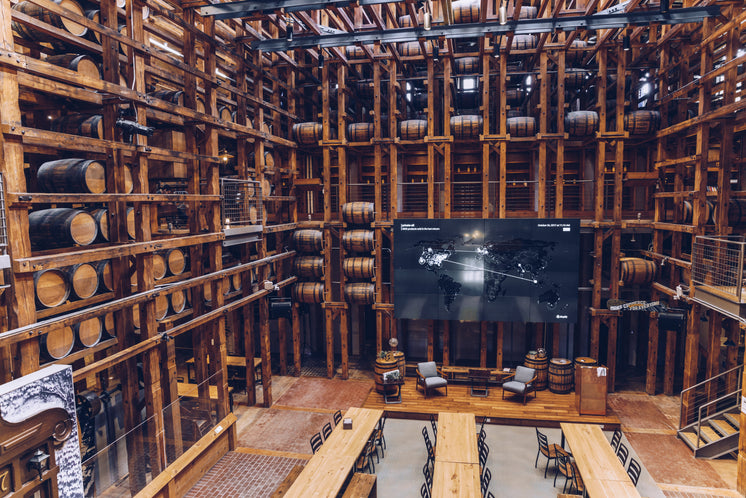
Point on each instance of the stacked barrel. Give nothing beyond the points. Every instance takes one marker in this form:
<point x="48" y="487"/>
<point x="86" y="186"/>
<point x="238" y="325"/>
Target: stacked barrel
<point x="308" y="266"/>
<point x="358" y="242"/>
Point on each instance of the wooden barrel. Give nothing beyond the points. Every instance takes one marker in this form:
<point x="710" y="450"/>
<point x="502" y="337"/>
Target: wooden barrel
<point x="95" y="16"/>
<point x="159" y="265"/>
<point x="177" y="300"/>
<point x="207" y="292"/>
<point x="637" y="271"/>
<point x="83" y="280"/>
<point x="360" y="132"/>
<point x="466" y="127"/>
<point x="176" y="261"/>
<point x="308" y="240"/>
<point x="540" y="364"/>
<point x="465" y="11"/>
<point x="513" y="113"/>
<point x="175" y="97"/>
<point x="360" y="293"/>
<point x="358" y="213"/>
<point x="129" y="185"/>
<point x="576" y="54"/>
<point x="524" y="42"/>
<point x="80" y="63"/>
<point x="527" y="12"/>
<point x="581" y="123"/>
<point x="514" y="95"/>
<point x="61" y="227"/>
<point x="52" y="287"/>
<point x="58" y="343"/>
<point x="80" y="124"/>
<point x="102" y="222"/>
<point x="412" y="129"/>
<point x="401" y="364"/>
<point x="354" y="52"/>
<point x="307" y="133"/>
<point x="236" y="284"/>
<point x="736" y="212"/>
<point x="308" y="266"/>
<point x="358" y="240"/>
<point x="225" y="113"/>
<point x="410" y="49"/>
<point x="642" y="122"/>
<point x="72" y="175"/>
<point x="522" y="126"/>
<point x="308" y="292"/>
<point x="582" y="361"/>
<point x="131" y="223"/>
<point x="226" y="285"/>
<point x="383" y="365"/>
<point x="136" y="316"/>
<point x="110" y="325"/>
<point x="359" y="267"/>
<point x="88" y="332"/>
<point x="29" y="32"/>
<point x="709" y="212"/>
<point x="105" y="278"/>
<point x="560" y="375"/>
<point x="575" y="78"/>
<point x="466" y="65"/>
<point x="406" y="21"/>
<point x="161" y="307"/>
<point x="269" y="159"/>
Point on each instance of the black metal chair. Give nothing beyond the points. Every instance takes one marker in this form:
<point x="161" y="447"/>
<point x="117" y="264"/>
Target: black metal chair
<point x="428" y="444"/>
<point x="490" y="495"/>
<point x="486" y="478"/>
<point x="378" y="437"/>
<point x="483" y="454"/>
<point x="316" y="442"/>
<point x="550" y="451"/>
<point x="622" y="453"/>
<point x="424" y="492"/>
<point x="326" y="431"/>
<point x="577" y="481"/>
<point x="616" y="438"/>
<point x="634" y="470"/>
<point x="365" y="460"/>
<point x="428" y="476"/>
<point x="337" y="417"/>
<point x="563" y="468"/>
<point x="434" y="425"/>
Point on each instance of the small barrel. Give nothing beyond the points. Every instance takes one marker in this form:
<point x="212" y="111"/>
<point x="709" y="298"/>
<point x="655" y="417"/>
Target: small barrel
<point x="581" y="123"/>
<point x="105" y="278"/>
<point x="582" y="361"/>
<point x="80" y="63"/>
<point x="131" y="222"/>
<point x="83" y="280"/>
<point x="269" y="159"/>
<point x="560" y="375"/>
<point x="172" y="96"/>
<point x="401" y="364"/>
<point x="308" y="240"/>
<point x="709" y="212"/>
<point x="72" y="175"/>
<point x="412" y="129"/>
<point x="307" y="133"/>
<point x="308" y="266"/>
<point x="226" y="285"/>
<point x="95" y="16"/>
<point x="642" y="122"/>
<point x="410" y="49"/>
<point x="524" y="42"/>
<point x="129" y="185"/>
<point x="360" y="132"/>
<point x="466" y="65"/>
<point x="28" y="32"/>
<point x="52" y="287"/>
<point x="466" y="127"/>
<point x="575" y="78"/>
<point x="358" y="241"/>
<point x="88" y="332"/>
<point x="636" y="271"/>
<point x="383" y="365"/>
<point x="61" y="227"/>
<point x="136" y="316"/>
<point x="736" y="212"/>
<point x="176" y="261"/>
<point x="80" y="124"/>
<point x="58" y="343"/>
<point x="177" y="300"/>
<point x="159" y="265"/>
<point x="359" y="267"/>
<point x="540" y="364"/>
<point x="465" y="11"/>
<point x="354" y="52"/>
<point x="161" y="307"/>
<point x="522" y="126"/>
<point x="308" y="292"/>
<point x="514" y="95"/>
<point x="360" y="293"/>
<point x="358" y="213"/>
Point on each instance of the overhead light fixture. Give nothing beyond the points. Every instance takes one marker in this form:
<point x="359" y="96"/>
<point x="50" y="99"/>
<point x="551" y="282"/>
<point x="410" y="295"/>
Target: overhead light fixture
<point x="503" y="13"/>
<point x="436" y="54"/>
<point x="321" y="58"/>
<point x="664" y="6"/>
<point x="626" y="43"/>
<point x="428" y="22"/>
<point x="289" y="25"/>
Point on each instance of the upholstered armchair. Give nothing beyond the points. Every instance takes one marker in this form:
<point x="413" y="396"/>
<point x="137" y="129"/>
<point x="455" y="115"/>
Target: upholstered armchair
<point x="429" y="377"/>
<point x="522" y="383"/>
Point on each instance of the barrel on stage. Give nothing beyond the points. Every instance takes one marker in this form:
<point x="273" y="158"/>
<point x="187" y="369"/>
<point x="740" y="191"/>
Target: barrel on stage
<point x="58" y="343"/>
<point x="83" y="280"/>
<point x="359" y="267"/>
<point x="308" y="266"/>
<point x="465" y="11"/>
<point x="30" y="32"/>
<point x="175" y="97"/>
<point x="360" y="132"/>
<point x="308" y="240"/>
<point x="561" y="375"/>
<point x="358" y="213"/>
<point x="513" y="95"/>
<point x="177" y="300"/>
<point x="581" y="123"/>
<point x="467" y="126"/>
<point x="161" y="307"/>
<point x="358" y="240"/>
<point x="52" y="287"/>
<point x="540" y="364"/>
<point x="176" y="261"/>
<point x="88" y="332"/>
<point x="308" y="292"/>
<point x="159" y="265"/>
<point x="709" y="210"/>
<point x="61" y="227"/>
<point x="524" y="42"/>
<point x="642" y="122"/>
<point x="410" y="49"/>
<point x="383" y="365"/>
<point x="82" y="64"/>
<point x="637" y="271"/>
<point x="401" y="363"/>
<point x="105" y="278"/>
<point x="80" y="124"/>
<point x="360" y="293"/>
<point x="307" y="133"/>
<point x="574" y="78"/>
<point x="412" y="129"/>
<point x="736" y="212"/>
<point x="521" y="126"/>
<point x="72" y="175"/>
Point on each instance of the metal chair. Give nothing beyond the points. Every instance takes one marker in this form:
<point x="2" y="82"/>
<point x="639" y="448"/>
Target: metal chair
<point x="337" y="417"/>
<point x="622" y="453"/>
<point x="634" y="470"/>
<point x="428" y="476"/>
<point x="378" y="437"/>
<point x="483" y="454"/>
<point x="316" y="442"/>
<point x="616" y="438"/>
<point x="486" y="478"/>
<point x="434" y="424"/>
<point x="563" y="467"/>
<point x="548" y="450"/>
<point x="365" y="460"/>
<point x="428" y="444"/>
<point x="424" y="492"/>
<point x="326" y="431"/>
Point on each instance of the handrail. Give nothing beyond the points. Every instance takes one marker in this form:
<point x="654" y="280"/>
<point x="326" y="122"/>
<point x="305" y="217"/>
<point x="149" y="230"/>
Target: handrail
<point x="738" y="380"/>
<point x="711" y="378"/>
<point x="715" y="401"/>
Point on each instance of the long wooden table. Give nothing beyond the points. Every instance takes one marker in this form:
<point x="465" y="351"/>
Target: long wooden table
<point x="601" y="470"/>
<point x="456" y="472"/>
<point x="326" y="472"/>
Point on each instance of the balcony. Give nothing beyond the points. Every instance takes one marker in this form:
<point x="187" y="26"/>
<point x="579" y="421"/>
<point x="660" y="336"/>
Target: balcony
<point x="241" y="210"/>
<point x="717" y="274"/>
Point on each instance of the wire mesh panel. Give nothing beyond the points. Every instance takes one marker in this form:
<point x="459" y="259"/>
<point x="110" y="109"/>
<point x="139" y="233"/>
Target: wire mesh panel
<point x="717" y="262"/>
<point x="241" y="202"/>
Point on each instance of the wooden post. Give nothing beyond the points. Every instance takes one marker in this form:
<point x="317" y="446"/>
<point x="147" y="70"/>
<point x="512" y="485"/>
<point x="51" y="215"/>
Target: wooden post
<point x="446" y="342"/>
<point x="282" y="338"/>
<point x="691" y="357"/>
<point x="500" y="333"/>
<point x="249" y="352"/>
<point x="483" y="344"/>
<point x="265" y="350"/>
<point x="650" y="375"/>
<point x="296" y="340"/>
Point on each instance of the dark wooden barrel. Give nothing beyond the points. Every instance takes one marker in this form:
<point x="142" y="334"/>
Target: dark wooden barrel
<point x="521" y="126"/>
<point x="88" y="332"/>
<point x="581" y="123"/>
<point x="308" y="292"/>
<point x="736" y="212"/>
<point x="58" y="343"/>
<point x="105" y="278"/>
<point x="61" y="227"/>
<point x="72" y="175"/>
<point x="383" y="365"/>
<point x="561" y="375"/>
<point x="308" y="240"/>
<point x="307" y="133"/>
<point x="360" y="132"/>
<point x="29" y="32"/>
<point x="80" y="124"/>
<point x="80" y="63"/>
<point x="359" y="267"/>
<point x="576" y="54"/>
<point x="514" y="95"/>
<point x="412" y="129"/>
<point x="575" y="78"/>
<point x="513" y="113"/>
<point x="466" y="65"/>
<point x="688" y="210"/>
<point x="524" y="42"/>
<point x="95" y="16"/>
<point x="358" y="240"/>
<point x="358" y="213"/>
<point x="161" y="307"/>
<point x="308" y="266"/>
<point x="52" y="287"/>
<point x="176" y="261"/>
<point x="637" y="271"/>
<point x="159" y="265"/>
<point x="582" y="361"/>
<point x="642" y="122"/>
<point x="466" y="127"/>
<point x="540" y="364"/>
<point x="465" y="11"/>
<point x="354" y="52"/>
<point x="173" y="96"/>
<point x="177" y="300"/>
<point x="410" y="49"/>
<point x="83" y="280"/>
<point x="360" y="293"/>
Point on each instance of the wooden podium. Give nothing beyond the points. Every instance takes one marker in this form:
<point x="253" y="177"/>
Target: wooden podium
<point x="590" y="389"/>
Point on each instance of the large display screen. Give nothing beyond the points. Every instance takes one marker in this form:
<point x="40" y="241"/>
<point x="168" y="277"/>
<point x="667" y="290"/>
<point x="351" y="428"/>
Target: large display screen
<point x="510" y="270"/>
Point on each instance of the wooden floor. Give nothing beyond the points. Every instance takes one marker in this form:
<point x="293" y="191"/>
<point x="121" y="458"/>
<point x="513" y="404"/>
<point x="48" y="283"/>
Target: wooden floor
<point x="546" y="410"/>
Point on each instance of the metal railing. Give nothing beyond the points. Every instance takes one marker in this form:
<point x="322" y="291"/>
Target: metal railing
<point x="716" y="394"/>
<point x="717" y="262"/>
<point x="240" y="202"/>
<point x="4" y="257"/>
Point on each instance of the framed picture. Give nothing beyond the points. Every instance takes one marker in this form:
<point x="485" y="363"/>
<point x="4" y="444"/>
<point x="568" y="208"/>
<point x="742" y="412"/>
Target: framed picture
<point x="391" y="376"/>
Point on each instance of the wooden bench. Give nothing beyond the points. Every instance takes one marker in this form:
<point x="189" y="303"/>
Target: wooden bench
<point x="289" y="480"/>
<point x="361" y="486"/>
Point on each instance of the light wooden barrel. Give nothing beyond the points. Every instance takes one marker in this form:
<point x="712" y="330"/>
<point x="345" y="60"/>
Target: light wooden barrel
<point x="637" y="271"/>
<point x="521" y="126"/>
<point x="581" y="123"/>
<point x="207" y="292"/>
<point x="689" y="211"/>
<point x="513" y="113"/>
<point x="412" y="129"/>
<point x="80" y="63"/>
<point x="360" y="132"/>
<point x="136" y="316"/>
<point x="736" y="212"/>
<point x="95" y="16"/>
<point x="105" y="278"/>
<point x="465" y="11"/>
<point x="236" y="284"/>
<point x="102" y="222"/>
<point x="524" y="42"/>
<point x="88" y="332"/>
<point x="80" y="124"/>
<point x="28" y="32"/>
<point x="61" y="227"/>
<point x="466" y="127"/>
<point x="354" y="52"/>
<point x="405" y="21"/>
<point x="466" y="65"/>
<point x="308" y="240"/>
<point x="72" y="175"/>
<point x="129" y="185"/>
<point x="225" y="113"/>
<point x="513" y="95"/>
<point x="58" y="343"/>
<point x="110" y="326"/>
<point x="574" y="78"/>
<point x="359" y="267"/>
<point x="410" y="49"/>
<point x="226" y="285"/>
<point x="527" y="12"/>
<point x="642" y="122"/>
<point x="358" y="240"/>
<point x="159" y="265"/>
<point x="52" y="287"/>
<point x="172" y="96"/>
<point x="360" y="293"/>
<point x="161" y="307"/>
<point x="83" y="280"/>
<point x="308" y="292"/>
<point x="560" y="375"/>
<point x="178" y="301"/>
<point x="358" y="213"/>
<point x="308" y="266"/>
<point x="383" y="365"/>
<point x="269" y="159"/>
<point x="540" y="364"/>
<point x="176" y="261"/>
<point x="307" y="133"/>
<point x="400" y="362"/>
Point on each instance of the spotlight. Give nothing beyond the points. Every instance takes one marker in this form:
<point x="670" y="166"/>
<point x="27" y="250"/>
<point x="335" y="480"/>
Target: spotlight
<point x="290" y="24"/>
<point x="503" y="13"/>
<point x="664" y="6"/>
<point x="428" y="23"/>
<point x="626" y="43"/>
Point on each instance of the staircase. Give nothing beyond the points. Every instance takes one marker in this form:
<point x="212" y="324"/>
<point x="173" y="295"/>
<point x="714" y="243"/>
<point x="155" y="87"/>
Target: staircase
<point x="710" y="426"/>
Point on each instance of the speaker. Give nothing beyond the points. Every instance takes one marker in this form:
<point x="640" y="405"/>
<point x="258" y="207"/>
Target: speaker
<point x="672" y="319"/>
<point x="280" y="308"/>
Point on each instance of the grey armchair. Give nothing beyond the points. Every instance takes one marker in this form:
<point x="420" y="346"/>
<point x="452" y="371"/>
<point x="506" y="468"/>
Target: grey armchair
<point x="429" y="377"/>
<point x="522" y="383"/>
